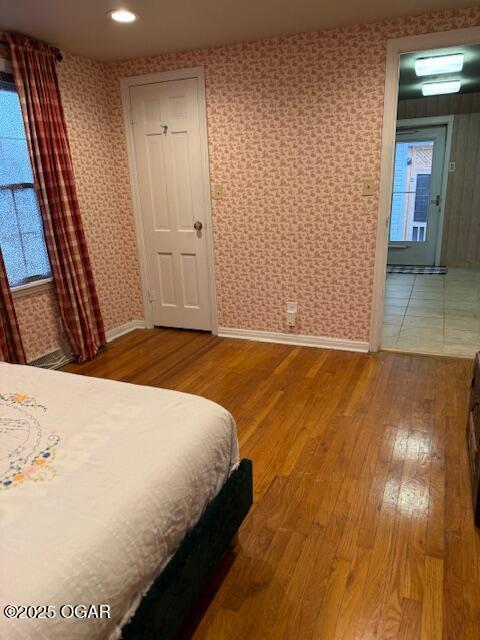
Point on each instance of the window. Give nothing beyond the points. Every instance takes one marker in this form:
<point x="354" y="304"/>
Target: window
<point x="422" y="197"/>
<point x="411" y="191"/>
<point x="21" y="230"/>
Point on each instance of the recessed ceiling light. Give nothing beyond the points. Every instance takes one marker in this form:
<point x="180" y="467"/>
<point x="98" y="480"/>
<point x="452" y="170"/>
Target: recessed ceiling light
<point x="437" y="88"/>
<point x="439" y="64"/>
<point x="122" y="15"/>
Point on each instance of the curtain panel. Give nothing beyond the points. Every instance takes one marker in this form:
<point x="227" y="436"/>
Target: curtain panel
<point x="37" y="84"/>
<point x="11" y="347"/>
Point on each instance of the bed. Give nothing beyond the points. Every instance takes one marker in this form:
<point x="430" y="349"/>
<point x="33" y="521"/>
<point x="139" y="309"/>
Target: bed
<point x="112" y="494"/>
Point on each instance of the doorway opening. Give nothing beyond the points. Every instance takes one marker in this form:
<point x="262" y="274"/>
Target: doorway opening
<point x="431" y="268"/>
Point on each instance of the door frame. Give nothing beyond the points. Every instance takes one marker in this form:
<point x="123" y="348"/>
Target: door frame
<point x="395" y="48"/>
<point x="435" y="121"/>
<point x="197" y="73"/>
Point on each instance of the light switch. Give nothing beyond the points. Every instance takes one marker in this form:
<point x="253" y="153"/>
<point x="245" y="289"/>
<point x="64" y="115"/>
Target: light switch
<point x="217" y="191"/>
<point x="367" y="187"/>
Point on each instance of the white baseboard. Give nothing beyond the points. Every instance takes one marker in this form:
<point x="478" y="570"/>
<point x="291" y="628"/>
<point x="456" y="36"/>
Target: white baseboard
<point x="295" y="339"/>
<point x="116" y="332"/>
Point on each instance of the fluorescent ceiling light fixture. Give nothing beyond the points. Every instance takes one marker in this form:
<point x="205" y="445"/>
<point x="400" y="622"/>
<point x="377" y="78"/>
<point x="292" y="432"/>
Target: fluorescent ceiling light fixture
<point x="439" y="64"/>
<point x="122" y="15"/>
<point x="437" y="88"/>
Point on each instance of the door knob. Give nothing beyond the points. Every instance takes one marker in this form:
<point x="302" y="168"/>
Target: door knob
<point x="198" y="226"/>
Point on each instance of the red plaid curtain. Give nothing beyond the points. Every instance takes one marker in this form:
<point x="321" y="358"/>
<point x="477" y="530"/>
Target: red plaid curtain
<point x="38" y="89"/>
<point x="11" y="347"/>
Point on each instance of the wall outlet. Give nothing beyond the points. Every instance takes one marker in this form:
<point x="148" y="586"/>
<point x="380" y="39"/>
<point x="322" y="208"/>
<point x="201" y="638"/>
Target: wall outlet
<point x="292" y="307"/>
<point x="451" y="167"/>
<point x="217" y="191"/>
<point x="367" y="187"/>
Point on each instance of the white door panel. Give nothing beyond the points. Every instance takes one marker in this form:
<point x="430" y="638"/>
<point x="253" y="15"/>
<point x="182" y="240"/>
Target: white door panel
<point x="171" y="187"/>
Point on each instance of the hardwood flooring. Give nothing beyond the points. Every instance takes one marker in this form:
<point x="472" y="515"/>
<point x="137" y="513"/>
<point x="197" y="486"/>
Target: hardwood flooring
<point x="362" y="524"/>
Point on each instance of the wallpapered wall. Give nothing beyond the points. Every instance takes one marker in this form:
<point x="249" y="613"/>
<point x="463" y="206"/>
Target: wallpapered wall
<point x="294" y="125"/>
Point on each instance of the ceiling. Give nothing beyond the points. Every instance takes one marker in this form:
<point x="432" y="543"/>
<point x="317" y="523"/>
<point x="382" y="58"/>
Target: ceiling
<point x="81" y="26"/>
<point x="411" y="85"/>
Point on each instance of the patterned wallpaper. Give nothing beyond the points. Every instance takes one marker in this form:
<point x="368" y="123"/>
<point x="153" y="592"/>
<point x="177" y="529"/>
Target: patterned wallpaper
<point x="102" y="187"/>
<point x="294" y="124"/>
<point x="39" y="323"/>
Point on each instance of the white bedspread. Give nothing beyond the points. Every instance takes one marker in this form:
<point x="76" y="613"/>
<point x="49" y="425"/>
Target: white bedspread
<point x="100" y="482"/>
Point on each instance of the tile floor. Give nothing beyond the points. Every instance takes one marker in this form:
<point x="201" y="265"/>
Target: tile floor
<point x="433" y="313"/>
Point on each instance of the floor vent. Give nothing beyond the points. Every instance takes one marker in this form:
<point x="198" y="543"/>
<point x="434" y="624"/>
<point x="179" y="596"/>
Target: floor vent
<point x="53" y="360"/>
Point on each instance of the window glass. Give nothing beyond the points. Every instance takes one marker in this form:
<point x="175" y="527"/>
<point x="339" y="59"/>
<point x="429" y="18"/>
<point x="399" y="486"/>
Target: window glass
<point x="21" y="231"/>
<point x="411" y="190"/>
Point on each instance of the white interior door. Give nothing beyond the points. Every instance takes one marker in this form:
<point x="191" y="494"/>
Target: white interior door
<point x="168" y="154"/>
<point x="416" y="197"/>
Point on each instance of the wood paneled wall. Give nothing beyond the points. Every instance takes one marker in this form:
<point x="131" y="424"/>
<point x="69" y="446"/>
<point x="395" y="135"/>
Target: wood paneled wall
<point x="461" y="232"/>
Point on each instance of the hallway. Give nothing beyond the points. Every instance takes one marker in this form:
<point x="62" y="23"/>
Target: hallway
<point x="437" y="314"/>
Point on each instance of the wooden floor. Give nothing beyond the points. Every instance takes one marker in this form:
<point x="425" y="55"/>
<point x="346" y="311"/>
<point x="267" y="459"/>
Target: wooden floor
<point x="362" y="523"/>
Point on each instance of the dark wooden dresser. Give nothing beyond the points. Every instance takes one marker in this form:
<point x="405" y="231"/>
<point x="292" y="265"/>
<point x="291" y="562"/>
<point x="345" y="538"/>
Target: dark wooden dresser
<point x="473" y="438"/>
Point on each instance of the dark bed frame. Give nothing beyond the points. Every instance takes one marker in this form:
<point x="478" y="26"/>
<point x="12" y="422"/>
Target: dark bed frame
<point x="169" y="600"/>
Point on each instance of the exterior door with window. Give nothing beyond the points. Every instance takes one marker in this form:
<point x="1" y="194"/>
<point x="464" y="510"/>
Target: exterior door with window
<point x="171" y="182"/>
<point x="416" y="198"/>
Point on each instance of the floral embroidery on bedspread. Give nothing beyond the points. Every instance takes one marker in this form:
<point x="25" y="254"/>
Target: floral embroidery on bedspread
<point x="26" y="453"/>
